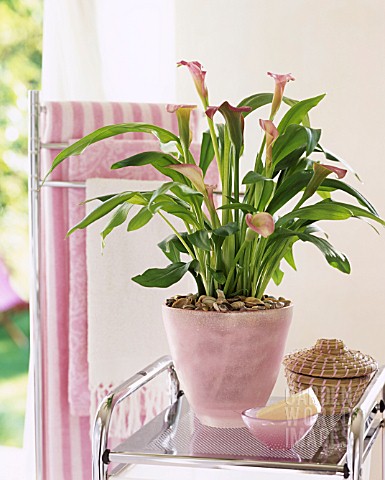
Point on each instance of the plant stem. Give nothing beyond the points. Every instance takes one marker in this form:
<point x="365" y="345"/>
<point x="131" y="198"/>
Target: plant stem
<point x="270" y="267"/>
<point x="215" y="146"/>
<point x="203" y="273"/>
<point x="226" y="186"/>
<point x="246" y="270"/>
<point x="236" y="186"/>
<point x="258" y="160"/>
<point x="233" y="267"/>
<point x="178" y="235"/>
<point x="195" y="256"/>
<point x="257" y="254"/>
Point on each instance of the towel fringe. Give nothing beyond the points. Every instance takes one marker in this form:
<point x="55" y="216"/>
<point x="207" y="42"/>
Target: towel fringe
<point x="133" y="412"/>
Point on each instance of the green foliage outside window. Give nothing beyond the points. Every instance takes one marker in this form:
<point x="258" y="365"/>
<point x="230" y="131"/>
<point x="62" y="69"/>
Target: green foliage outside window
<point x="20" y="70"/>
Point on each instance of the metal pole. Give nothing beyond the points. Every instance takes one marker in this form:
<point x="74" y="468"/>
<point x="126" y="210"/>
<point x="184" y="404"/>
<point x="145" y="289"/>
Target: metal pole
<point x="34" y="235"/>
<point x="383" y="438"/>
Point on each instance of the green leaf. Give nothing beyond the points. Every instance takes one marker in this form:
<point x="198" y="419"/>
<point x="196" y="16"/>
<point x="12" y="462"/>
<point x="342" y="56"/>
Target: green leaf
<point x="314" y="228"/>
<point x="108" y="131"/>
<point x="288" y="189"/>
<point x="277" y="276"/>
<point x="289" y="257"/>
<point x="291" y="103"/>
<point x="158" y="160"/>
<point x="207" y="152"/>
<point x="218" y="275"/>
<point x="335" y="258"/>
<point x="159" y="192"/>
<point x="256" y="101"/>
<point x="194" y="269"/>
<point x="324" y="194"/>
<point x="331" y="184"/>
<point x="298" y="112"/>
<point x="268" y="189"/>
<point x="105" y="208"/>
<point x="356" y="211"/>
<point x="313" y="136"/>
<point x="117" y="219"/>
<point x="254" y="177"/>
<point x="172" y="246"/>
<point x="226" y="230"/>
<point x="101" y="198"/>
<point x="325" y="210"/>
<point x="140" y="219"/>
<point x="291" y="161"/>
<point x="176" y="210"/>
<point x="185" y="194"/>
<point x="173" y="254"/>
<point x="295" y="137"/>
<point x="200" y="239"/>
<point x="162" y="277"/>
<point x="261" y="99"/>
<point x="164" y="245"/>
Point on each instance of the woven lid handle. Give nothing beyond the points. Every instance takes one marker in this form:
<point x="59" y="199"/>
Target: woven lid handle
<point x="330" y="346"/>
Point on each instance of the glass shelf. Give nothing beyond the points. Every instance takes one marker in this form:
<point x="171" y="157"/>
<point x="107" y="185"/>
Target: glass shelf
<point x="176" y="435"/>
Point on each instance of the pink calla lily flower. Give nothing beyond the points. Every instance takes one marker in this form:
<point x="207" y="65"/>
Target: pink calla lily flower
<point x="211" y="111"/>
<point x="270" y="129"/>
<point x="183" y="113"/>
<point x="210" y="194"/>
<point x="261" y="223"/>
<point x="321" y="171"/>
<point x="280" y="83"/>
<point x="193" y="173"/>
<point x="198" y="74"/>
<point x="321" y="167"/>
<point x="271" y="135"/>
<point x="234" y="121"/>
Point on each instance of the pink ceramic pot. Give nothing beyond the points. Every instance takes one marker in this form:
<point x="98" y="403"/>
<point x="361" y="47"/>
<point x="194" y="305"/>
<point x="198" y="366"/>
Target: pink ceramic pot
<point x="226" y="362"/>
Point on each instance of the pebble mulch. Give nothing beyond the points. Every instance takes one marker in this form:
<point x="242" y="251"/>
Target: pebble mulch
<point x="222" y="304"/>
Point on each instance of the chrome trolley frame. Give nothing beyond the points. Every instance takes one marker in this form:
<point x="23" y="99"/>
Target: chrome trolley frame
<point x="155" y="443"/>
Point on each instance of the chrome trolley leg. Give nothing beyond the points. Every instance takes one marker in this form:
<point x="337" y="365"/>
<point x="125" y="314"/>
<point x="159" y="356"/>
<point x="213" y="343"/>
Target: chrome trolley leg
<point x="100" y="452"/>
<point x="34" y="234"/>
<point x="383" y="438"/>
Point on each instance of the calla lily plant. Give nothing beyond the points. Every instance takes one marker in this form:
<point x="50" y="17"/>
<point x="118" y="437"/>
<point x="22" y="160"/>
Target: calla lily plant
<point x="236" y="242"/>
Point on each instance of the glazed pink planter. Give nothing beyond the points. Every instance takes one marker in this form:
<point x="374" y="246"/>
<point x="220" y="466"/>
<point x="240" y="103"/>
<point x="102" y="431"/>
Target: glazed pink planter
<point x="226" y="362"/>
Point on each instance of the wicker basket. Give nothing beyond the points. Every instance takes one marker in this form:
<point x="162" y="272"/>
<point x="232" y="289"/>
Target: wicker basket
<point x="338" y="375"/>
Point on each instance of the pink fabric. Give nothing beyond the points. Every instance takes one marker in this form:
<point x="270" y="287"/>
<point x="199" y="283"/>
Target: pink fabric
<point x="94" y="163"/>
<point x="61" y="457"/>
<point x="64" y="282"/>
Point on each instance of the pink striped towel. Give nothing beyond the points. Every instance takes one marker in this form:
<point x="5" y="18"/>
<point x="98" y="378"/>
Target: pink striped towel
<point x="64" y="312"/>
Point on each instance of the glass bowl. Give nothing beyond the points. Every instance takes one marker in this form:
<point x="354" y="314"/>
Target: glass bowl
<point x="277" y="434"/>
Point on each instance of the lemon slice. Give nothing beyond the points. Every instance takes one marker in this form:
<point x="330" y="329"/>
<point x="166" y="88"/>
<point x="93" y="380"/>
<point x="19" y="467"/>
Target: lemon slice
<point x="301" y="405"/>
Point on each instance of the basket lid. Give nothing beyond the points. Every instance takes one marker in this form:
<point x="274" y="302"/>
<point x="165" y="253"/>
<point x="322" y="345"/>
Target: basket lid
<point x="330" y="358"/>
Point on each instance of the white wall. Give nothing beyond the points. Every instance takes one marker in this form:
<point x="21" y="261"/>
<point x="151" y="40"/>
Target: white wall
<point x="136" y="43"/>
<point x="337" y="47"/>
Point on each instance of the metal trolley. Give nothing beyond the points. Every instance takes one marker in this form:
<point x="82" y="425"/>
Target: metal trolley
<point x="337" y="445"/>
